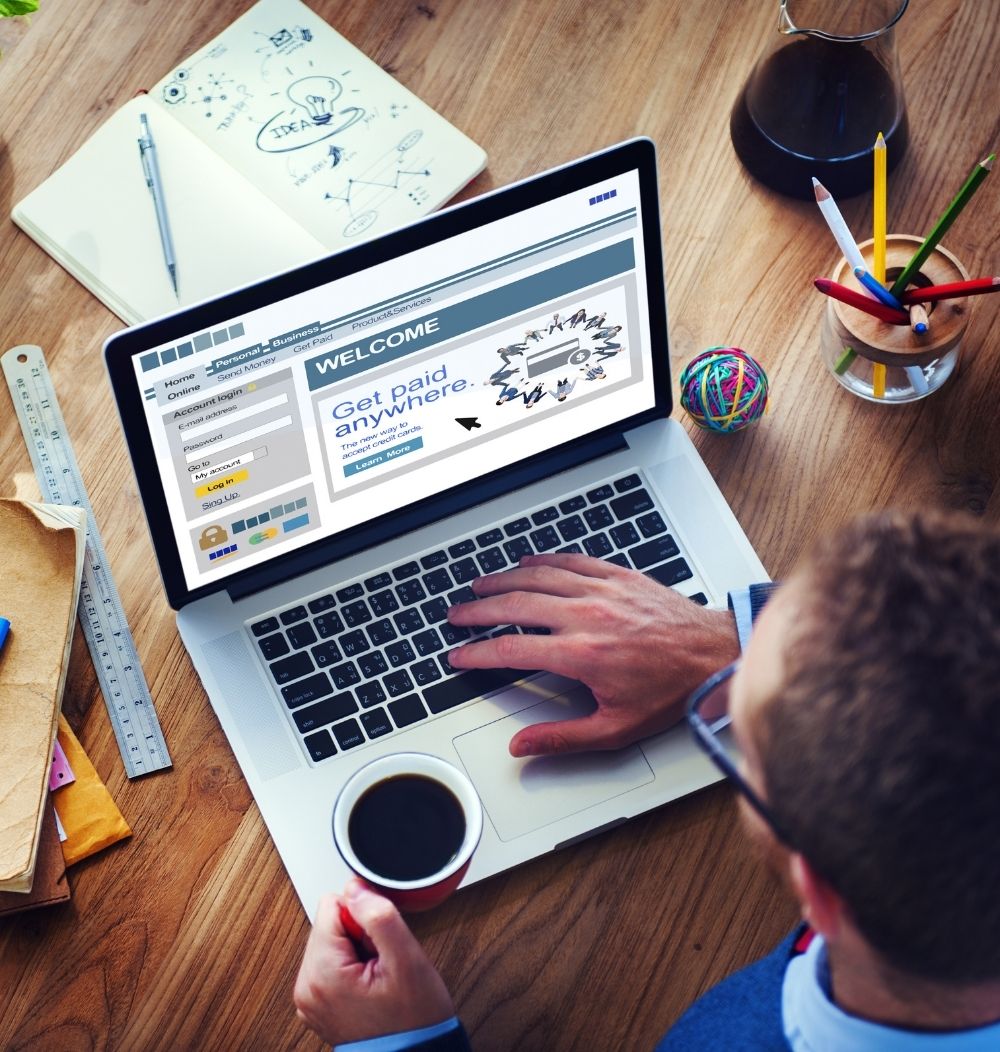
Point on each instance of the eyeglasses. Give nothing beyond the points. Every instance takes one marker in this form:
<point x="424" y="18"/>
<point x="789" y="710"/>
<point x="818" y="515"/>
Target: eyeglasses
<point x="708" y="715"/>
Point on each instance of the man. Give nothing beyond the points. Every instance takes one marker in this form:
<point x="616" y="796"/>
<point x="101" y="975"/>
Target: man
<point x="867" y="709"/>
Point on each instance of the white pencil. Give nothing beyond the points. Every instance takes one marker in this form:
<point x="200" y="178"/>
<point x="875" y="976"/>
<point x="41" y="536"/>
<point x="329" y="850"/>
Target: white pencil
<point x="835" y="221"/>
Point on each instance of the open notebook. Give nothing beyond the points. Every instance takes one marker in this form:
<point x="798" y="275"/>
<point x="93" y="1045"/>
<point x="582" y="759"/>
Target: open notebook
<point x="277" y="142"/>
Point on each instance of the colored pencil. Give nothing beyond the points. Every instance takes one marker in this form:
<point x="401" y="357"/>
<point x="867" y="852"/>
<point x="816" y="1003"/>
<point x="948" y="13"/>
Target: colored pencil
<point x="862" y="302"/>
<point x="4" y="629"/>
<point x="953" y="290"/>
<point x="879" y="291"/>
<point x="835" y="221"/>
<point x="919" y="321"/>
<point x="949" y="216"/>
<point x="879" y="211"/>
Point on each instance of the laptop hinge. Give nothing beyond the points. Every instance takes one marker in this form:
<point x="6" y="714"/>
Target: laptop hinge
<point x="428" y="511"/>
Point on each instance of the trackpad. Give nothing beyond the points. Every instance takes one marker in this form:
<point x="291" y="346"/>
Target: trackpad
<point x="521" y="795"/>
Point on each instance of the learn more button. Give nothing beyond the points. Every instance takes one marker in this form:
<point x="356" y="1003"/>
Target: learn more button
<point x="226" y="482"/>
<point x="383" y="456"/>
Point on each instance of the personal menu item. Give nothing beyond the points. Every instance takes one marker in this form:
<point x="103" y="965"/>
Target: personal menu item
<point x="277" y="143"/>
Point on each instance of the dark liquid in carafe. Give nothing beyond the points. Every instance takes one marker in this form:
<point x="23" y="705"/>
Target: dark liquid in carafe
<point x="814" y="108"/>
<point x="407" y="828"/>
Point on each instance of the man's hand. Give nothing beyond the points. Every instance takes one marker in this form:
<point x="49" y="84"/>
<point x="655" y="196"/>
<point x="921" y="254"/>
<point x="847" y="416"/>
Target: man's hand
<point x="346" y="999"/>
<point x="641" y="648"/>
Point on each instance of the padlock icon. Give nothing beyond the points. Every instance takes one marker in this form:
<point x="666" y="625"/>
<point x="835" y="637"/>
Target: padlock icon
<point x="211" y="537"/>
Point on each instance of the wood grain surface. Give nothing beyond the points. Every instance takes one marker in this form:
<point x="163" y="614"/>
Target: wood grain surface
<point x="189" y="935"/>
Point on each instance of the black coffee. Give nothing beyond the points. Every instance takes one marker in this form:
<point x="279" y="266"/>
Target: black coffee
<point x="817" y="107"/>
<point x="406" y="828"/>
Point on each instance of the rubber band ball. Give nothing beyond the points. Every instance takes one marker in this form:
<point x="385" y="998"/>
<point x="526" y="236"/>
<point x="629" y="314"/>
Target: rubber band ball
<point x="724" y="389"/>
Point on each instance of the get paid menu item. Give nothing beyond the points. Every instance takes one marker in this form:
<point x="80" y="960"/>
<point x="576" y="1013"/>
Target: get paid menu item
<point x="277" y="143"/>
<point x="39" y="587"/>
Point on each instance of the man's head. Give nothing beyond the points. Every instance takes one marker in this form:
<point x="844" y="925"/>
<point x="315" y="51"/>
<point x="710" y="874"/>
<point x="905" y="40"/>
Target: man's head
<point x="869" y="710"/>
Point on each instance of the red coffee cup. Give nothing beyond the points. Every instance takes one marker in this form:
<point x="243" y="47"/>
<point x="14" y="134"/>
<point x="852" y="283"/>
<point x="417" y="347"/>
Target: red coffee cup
<point x="408" y="824"/>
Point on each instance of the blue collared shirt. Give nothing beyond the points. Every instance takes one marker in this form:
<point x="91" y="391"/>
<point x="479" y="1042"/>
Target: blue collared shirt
<point x="401" y="1041"/>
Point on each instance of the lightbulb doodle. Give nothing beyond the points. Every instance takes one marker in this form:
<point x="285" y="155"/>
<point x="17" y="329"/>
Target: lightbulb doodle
<point x="312" y="116"/>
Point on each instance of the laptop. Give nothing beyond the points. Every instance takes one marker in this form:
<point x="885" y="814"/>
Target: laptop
<point x="329" y="457"/>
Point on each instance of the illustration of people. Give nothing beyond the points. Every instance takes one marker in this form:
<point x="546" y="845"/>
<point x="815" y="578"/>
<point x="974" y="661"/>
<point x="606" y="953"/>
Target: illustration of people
<point x="556" y="324"/>
<point x="501" y="376"/>
<point x="533" y="397"/>
<point x="580" y="315"/>
<point x="597" y="319"/>
<point x="506" y="353"/>
<point x="595" y="372"/>
<point x="533" y="334"/>
<point x="508" y="394"/>
<point x="606" y="334"/>
<point x="607" y="350"/>
<point x="563" y="389"/>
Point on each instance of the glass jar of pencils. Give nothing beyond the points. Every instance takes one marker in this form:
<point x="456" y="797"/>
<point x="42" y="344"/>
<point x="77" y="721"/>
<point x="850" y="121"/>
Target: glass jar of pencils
<point x="896" y="361"/>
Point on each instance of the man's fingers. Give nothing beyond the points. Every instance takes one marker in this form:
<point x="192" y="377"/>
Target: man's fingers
<point x="329" y="930"/>
<point x="542" y="577"/>
<point x="575" y="562"/>
<point x="528" y="609"/>
<point x="565" y="736"/>
<point x="381" y="922"/>
<point x="517" y="651"/>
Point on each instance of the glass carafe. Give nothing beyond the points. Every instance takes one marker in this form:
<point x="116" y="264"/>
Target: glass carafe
<point x="820" y="94"/>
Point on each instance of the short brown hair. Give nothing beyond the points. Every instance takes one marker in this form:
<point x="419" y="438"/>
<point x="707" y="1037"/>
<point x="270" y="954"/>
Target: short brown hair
<point x="881" y="753"/>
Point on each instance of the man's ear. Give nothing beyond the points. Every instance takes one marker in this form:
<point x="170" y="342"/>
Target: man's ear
<point x="822" y="907"/>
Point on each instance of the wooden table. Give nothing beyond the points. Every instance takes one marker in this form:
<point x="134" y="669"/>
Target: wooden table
<point x="189" y="935"/>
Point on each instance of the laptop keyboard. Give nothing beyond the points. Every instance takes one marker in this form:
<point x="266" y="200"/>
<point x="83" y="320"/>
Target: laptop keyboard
<point x="370" y="658"/>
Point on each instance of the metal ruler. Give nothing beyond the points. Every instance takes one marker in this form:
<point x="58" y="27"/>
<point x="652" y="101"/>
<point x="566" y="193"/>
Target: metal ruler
<point x="116" y="661"/>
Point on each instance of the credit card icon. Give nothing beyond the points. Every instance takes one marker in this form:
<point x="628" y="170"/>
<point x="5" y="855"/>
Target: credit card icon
<point x="558" y="357"/>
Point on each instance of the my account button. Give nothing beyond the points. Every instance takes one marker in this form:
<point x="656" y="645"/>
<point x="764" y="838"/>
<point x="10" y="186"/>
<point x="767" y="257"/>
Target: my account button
<point x="383" y="456"/>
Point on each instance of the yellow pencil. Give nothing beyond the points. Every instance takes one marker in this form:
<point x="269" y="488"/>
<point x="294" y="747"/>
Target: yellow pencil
<point x="878" y="247"/>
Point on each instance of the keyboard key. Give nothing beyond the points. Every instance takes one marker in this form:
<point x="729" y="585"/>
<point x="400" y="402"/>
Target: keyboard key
<point x="652" y="524"/>
<point x="517" y="526"/>
<point x="383" y="603"/>
<point x="599" y="517"/>
<point x="312" y="688"/>
<point x="460" y="548"/>
<point x="671" y="573"/>
<point x="400" y="573"/>
<point x="700" y="598"/>
<point x="453" y="634"/>
<point x="491" y="560"/>
<point x="355" y="642"/>
<point x="428" y="642"/>
<point x="625" y="535"/>
<point x="545" y="539"/>
<point x="356" y="613"/>
<point x="302" y="635"/>
<point x="571" y="529"/>
<point x="327" y="653"/>
<point x="435" y="610"/>
<point x="345" y="675"/>
<point x="465" y="570"/>
<point x="324" y="712"/>
<point x="468" y="685"/>
<point x="489" y="538"/>
<point x="320" y="745"/>
<point x="348" y="734"/>
<point x="378" y="582"/>
<point x="598" y="546"/>
<point x="352" y="591"/>
<point x="461" y="595"/>
<point x="328" y="624"/>
<point x="633" y="503"/>
<point x="445" y="665"/>
<point x="376" y="723"/>
<point x="400" y="653"/>
<point x="370" y="694"/>
<point x="381" y="632"/>
<point x="516" y="548"/>
<point x="410" y="592"/>
<point x="408" y="621"/>
<point x="544" y="515"/>
<point x="437" y="581"/>
<point x="424" y="672"/>
<point x="293" y="667"/>
<point x="397" y="683"/>
<point x="573" y="548"/>
<point x="372" y="665"/>
<point x="619" y="559"/>
<point x="567" y="507"/>
<point x="595" y="496"/>
<point x="507" y="630"/>
<point x="627" y="483"/>
<point x="428" y="562"/>
<point x="655" y="551"/>
<point x="261" y="628"/>
<point x="321" y="604"/>
<point x="273" y="647"/>
<point x="407" y="710"/>
<point x="289" y="617"/>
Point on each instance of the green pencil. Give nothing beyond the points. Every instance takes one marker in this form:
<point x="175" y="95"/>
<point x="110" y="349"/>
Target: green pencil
<point x="979" y="173"/>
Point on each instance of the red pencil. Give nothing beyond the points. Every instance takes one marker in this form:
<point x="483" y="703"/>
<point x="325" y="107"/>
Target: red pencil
<point x="933" y="293"/>
<point x="865" y="303"/>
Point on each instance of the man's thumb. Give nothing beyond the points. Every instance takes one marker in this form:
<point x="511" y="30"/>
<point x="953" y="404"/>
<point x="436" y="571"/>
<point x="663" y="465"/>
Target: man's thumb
<point x="562" y="736"/>
<point x="380" y="921"/>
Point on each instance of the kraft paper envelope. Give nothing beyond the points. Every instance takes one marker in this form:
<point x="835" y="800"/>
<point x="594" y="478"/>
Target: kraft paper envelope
<point x="39" y="587"/>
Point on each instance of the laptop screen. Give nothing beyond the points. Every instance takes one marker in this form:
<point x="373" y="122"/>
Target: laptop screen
<point x="299" y="410"/>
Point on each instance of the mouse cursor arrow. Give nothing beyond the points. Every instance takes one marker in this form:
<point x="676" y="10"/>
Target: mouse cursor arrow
<point x="468" y="422"/>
